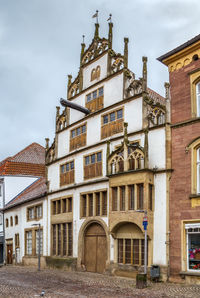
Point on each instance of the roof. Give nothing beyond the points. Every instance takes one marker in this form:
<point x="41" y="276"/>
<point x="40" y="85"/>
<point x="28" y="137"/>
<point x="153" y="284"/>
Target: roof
<point x="30" y="162"/>
<point x="179" y="48"/>
<point x="36" y="190"/>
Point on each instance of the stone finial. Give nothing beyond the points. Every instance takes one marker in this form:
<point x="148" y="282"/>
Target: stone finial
<point x="82" y="52"/>
<point x="110" y="35"/>
<point x="47" y="143"/>
<point x="69" y="80"/>
<point x="167" y="85"/>
<point x="96" y="32"/>
<point x="57" y="112"/>
<point x="125" y="133"/>
<point x="144" y="60"/>
<point x="126" y="52"/>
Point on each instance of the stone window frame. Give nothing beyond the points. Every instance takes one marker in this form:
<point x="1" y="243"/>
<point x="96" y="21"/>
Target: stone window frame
<point x="64" y="201"/>
<point x="71" y="171"/>
<point x="123" y="243"/>
<point x="93" y="164"/>
<point x="103" y="201"/>
<point x="95" y="73"/>
<point x="194" y="82"/>
<point x="57" y="247"/>
<point x="78" y="140"/>
<point x="34" y="207"/>
<point x="33" y="233"/>
<point x="113" y="127"/>
<point x="17" y="241"/>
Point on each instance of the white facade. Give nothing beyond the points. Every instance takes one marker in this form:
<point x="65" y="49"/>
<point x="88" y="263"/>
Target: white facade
<point x="149" y="137"/>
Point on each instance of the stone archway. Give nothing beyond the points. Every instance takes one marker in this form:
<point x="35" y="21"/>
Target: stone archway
<point x="95" y="248"/>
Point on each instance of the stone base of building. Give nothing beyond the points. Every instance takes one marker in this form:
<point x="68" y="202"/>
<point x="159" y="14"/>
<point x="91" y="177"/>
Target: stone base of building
<point x="190" y="277"/>
<point x="33" y="261"/>
<point x="68" y="264"/>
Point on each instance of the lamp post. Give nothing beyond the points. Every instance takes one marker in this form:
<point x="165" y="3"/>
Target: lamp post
<point x="39" y="240"/>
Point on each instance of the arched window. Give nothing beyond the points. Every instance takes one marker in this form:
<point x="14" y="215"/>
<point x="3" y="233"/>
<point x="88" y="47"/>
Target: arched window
<point x="98" y="69"/>
<point x="198" y="170"/>
<point x="16" y="220"/>
<point x="7" y="223"/>
<point x="198" y="98"/>
<point x="11" y="221"/>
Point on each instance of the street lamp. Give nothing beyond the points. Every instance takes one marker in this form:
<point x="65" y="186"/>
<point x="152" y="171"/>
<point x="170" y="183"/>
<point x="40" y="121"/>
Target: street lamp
<point x="38" y="225"/>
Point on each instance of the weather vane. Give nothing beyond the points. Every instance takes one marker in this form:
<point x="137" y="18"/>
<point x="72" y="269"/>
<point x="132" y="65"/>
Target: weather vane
<point x="110" y="18"/>
<point x="96" y="16"/>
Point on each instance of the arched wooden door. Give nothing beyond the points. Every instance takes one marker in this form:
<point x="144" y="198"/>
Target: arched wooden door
<point x="95" y="248"/>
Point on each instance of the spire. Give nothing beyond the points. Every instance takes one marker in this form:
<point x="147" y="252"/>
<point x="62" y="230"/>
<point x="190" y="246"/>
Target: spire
<point x="96" y="33"/>
<point x="110" y="35"/>
<point x="47" y="143"/>
<point x="144" y="59"/>
<point x="82" y="50"/>
<point x="126" y="52"/>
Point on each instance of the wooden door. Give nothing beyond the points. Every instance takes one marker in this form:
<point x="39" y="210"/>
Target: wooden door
<point x="95" y="249"/>
<point x="9" y="253"/>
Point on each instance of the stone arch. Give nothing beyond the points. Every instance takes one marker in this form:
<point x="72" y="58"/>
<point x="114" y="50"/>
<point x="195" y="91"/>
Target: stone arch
<point x="81" y="238"/>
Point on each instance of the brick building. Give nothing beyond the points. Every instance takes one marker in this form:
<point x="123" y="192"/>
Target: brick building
<point x="184" y="207"/>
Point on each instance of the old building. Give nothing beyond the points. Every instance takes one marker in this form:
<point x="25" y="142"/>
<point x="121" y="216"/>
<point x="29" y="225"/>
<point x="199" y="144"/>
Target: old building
<point x="184" y="71"/>
<point x="16" y="174"/>
<point x="109" y="165"/>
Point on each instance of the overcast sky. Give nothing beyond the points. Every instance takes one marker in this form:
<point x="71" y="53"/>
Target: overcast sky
<point x="40" y="44"/>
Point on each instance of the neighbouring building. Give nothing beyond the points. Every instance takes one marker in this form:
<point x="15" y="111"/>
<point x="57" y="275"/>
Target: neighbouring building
<point x="16" y="174"/>
<point x="23" y="215"/>
<point x="184" y="72"/>
<point x="107" y="167"/>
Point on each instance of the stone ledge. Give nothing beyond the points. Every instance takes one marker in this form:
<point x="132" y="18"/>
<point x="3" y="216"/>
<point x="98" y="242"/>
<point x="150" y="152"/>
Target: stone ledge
<point x="188" y="273"/>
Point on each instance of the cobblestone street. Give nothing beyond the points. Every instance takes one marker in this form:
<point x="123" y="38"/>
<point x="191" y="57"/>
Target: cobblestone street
<point x="28" y="282"/>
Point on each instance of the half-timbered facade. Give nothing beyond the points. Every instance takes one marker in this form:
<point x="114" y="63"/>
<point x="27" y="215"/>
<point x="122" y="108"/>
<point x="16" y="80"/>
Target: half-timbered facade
<point x="107" y="167"/>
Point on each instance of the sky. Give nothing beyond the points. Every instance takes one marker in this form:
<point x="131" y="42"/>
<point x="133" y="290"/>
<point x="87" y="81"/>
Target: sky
<point x="40" y="43"/>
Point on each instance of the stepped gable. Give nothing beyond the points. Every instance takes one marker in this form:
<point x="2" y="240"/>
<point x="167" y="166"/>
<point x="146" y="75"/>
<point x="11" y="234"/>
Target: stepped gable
<point x="29" y="162"/>
<point x="34" y="191"/>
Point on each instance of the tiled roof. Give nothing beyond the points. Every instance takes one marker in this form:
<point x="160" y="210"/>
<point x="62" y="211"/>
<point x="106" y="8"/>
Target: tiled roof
<point x="34" y="191"/>
<point x="155" y="96"/>
<point x="179" y="48"/>
<point x="30" y="161"/>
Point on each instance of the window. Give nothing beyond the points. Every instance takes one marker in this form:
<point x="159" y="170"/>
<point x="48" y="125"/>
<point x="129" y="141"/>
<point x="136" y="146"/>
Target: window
<point x="114" y="199"/>
<point x="34" y="212"/>
<point x="16" y="240"/>
<point x="198" y="98"/>
<point x="32" y="242"/>
<point x="63" y="205"/>
<point x="62" y="239"/>
<point x="78" y="137"/>
<point x="16" y="220"/>
<point x="11" y="221"/>
<point x="94" y="100"/>
<point x="67" y="173"/>
<point x="131" y="251"/>
<point x="93" y="165"/>
<point x="193" y="246"/>
<point x="7" y="224"/>
<point x="112" y="123"/>
<point x="133" y="194"/>
<point x="94" y="204"/>
<point x="140" y="196"/>
<point x="29" y="242"/>
<point x="150" y="197"/>
<point x="1" y="219"/>
<point x="39" y="241"/>
<point x="95" y="73"/>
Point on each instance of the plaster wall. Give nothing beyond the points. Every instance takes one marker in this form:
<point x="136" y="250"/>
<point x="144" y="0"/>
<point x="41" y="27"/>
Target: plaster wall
<point x="102" y="62"/>
<point x="160" y="220"/>
<point x="24" y="224"/>
<point x="157" y="149"/>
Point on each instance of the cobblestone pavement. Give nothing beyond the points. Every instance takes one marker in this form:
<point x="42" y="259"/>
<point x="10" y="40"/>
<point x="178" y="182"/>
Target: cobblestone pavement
<point x="28" y="282"/>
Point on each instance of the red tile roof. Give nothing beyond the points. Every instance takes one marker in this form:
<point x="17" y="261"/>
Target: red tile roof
<point x="36" y="190"/>
<point x="30" y="161"/>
